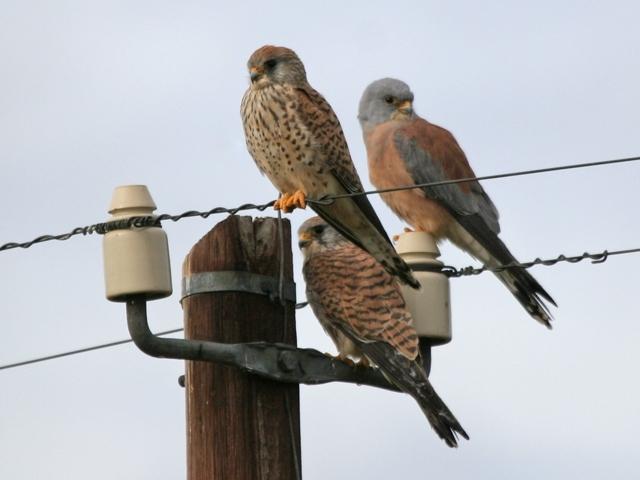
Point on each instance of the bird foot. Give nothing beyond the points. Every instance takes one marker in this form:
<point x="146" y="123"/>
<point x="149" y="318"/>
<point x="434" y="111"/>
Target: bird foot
<point x="280" y="203"/>
<point x="363" y="363"/>
<point x="289" y="202"/>
<point x="342" y="358"/>
<point x="297" y="200"/>
<point x="406" y="230"/>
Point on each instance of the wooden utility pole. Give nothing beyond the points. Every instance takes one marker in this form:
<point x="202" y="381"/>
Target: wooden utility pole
<point x="240" y="427"/>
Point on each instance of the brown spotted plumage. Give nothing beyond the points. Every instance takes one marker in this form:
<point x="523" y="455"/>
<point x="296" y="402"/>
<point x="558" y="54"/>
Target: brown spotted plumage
<point x="361" y="308"/>
<point x="296" y="140"/>
<point x="404" y="149"/>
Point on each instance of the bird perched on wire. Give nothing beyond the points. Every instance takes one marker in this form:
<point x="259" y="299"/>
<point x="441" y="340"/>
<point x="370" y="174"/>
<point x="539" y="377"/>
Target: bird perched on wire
<point x="361" y="308"/>
<point x="296" y="140"/>
<point x="405" y="149"/>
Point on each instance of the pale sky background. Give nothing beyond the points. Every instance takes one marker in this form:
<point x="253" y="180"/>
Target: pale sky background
<point x="95" y="94"/>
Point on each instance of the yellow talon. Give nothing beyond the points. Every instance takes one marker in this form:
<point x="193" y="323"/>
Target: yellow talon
<point x="396" y="237"/>
<point x="291" y="202"/>
<point x="281" y="203"/>
<point x="364" y="363"/>
<point x="341" y="358"/>
<point x="345" y="359"/>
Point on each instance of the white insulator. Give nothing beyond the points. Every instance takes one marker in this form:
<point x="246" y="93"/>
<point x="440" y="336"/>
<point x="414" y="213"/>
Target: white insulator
<point x="430" y="306"/>
<point x="136" y="260"/>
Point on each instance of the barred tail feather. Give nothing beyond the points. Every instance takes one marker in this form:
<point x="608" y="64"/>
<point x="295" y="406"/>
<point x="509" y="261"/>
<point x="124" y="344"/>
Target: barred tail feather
<point x="410" y="377"/>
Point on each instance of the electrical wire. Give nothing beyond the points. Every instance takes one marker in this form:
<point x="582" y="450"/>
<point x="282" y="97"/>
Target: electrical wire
<point x="476" y="179"/>
<point x="450" y="271"/>
<point x="80" y="350"/>
<point x="156" y="220"/>
<point x="97" y="347"/>
<point x="596" y="258"/>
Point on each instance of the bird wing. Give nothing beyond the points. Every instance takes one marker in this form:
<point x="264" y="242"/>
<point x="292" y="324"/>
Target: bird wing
<point x="333" y="150"/>
<point x="356" y="294"/>
<point x="352" y="293"/>
<point x="431" y="154"/>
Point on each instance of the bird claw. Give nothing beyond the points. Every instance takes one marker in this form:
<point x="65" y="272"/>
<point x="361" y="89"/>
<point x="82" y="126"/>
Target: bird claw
<point x="289" y="202"/>
<point x="341" y="358"/>
<point x="280" y="203"/>
<point x="363" y="363"/>
<point x="406" y="230"/>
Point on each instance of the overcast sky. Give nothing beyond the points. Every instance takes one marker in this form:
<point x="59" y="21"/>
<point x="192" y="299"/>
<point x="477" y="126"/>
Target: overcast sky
<point x="95" y="94"/>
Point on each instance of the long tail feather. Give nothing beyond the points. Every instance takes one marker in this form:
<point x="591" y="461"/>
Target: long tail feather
<point x="348" y="218"/>
<point x="410" y="377"/>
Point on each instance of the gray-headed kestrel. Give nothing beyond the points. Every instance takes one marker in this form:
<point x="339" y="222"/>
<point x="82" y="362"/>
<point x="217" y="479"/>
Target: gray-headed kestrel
<point x="404" y="149"/>
<point x="296" y="140"/>
<point x="361" y="308"/>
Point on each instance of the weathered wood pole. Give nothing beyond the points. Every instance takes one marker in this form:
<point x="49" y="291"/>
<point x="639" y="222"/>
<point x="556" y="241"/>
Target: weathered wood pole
<point x="240" y="427"/>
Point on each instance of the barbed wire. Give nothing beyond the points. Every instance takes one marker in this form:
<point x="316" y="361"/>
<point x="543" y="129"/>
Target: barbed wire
<point x="453" y="272"/>
<point x="156" y="220"/>
<point x="136" y="222"/>
<point x="595" y="258"/>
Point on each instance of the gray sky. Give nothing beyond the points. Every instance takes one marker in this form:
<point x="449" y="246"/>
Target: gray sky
<point x="99" y="94"/>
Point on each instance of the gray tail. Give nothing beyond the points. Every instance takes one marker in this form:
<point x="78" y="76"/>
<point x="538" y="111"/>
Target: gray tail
<point x="528" y="292"/>
<point x="485" y="245"/>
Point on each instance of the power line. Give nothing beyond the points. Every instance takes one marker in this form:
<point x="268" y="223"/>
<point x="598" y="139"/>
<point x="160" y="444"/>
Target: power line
<point x="486" y="177"/>
<point x="80" y="350"/>
<point x="147" y="221"/>
<point x="138" y="222"/>
<point x="596" y="258"/>
<point x="97" y="347"/>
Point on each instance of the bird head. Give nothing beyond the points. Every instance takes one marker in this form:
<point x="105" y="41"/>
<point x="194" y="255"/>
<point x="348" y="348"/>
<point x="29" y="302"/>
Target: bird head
<point x="315" y="236"/>
<point x="384" y="100"/>
<point x="275" y="65"/>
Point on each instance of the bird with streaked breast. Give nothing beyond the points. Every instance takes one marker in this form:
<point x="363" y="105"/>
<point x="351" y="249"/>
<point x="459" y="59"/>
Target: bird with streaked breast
<point x="361" y="308"/>
<point x="296" y="140"/>
<point x="404" y="149"/>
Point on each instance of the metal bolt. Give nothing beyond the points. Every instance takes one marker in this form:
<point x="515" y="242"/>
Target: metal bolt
<point x="287" y="361"/>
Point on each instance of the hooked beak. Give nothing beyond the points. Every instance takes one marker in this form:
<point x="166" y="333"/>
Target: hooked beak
<point x="405" y="107"/>
<point x="255" y="73"/>
<point x="304" y="240"/>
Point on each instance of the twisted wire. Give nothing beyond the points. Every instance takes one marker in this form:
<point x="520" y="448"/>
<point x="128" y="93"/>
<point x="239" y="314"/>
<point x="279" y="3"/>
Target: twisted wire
<point x="156" y="220"/>
<point x="135" y="222"/>
<point x="601" y="257"/>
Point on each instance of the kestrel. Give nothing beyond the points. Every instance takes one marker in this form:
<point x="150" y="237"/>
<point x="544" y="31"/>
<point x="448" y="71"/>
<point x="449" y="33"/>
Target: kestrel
<point x="296" y="140"/>
<point x="361" y="308"/>
<point x="405" y="149"/>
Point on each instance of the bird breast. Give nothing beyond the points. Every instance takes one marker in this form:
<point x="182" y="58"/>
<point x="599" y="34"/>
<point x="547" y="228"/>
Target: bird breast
<point x="278" y="139"/>
<point x="388" y="170"/>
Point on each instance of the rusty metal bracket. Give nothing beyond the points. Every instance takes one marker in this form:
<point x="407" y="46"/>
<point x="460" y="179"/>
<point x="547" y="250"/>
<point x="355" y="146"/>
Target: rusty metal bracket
<point x="275" y="361"/>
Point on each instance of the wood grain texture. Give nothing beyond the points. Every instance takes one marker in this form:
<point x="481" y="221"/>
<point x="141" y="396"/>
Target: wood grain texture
<point x="239" y="426"/>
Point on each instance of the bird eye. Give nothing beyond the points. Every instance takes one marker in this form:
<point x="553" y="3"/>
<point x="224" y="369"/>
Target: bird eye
<point x="388" y="98"/>
<point x="318" y="229"/>
<point x="270" y="64"/>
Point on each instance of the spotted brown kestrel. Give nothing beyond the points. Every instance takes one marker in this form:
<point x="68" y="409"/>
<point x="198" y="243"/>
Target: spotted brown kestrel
<point x="296" y="140"/>
<point x="404" y="149"/>
<point x="361" y="308"/>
